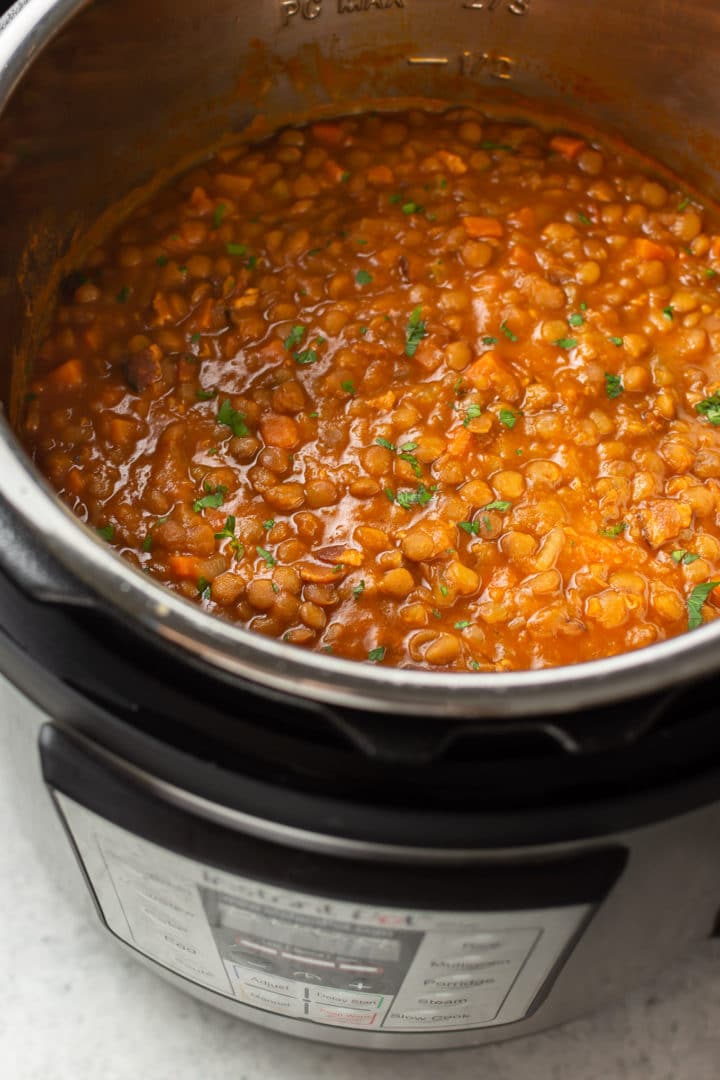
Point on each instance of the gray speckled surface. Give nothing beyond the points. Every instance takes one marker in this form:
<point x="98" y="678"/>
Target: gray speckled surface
<point x="74" y="1007"/>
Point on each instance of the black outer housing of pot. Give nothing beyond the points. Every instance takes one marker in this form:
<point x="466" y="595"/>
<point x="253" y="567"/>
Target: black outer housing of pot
<point x="388" y="779"/>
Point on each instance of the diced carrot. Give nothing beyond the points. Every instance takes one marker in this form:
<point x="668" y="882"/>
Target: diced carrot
<point x="452" y="162"/>
<point x="186" y="566"/>
<point x="482" y="227"/>
<point x="524" y="218"/>
<point x="379" y="175"/>
<point x="489" y="372"/>
<point x="715" y="247"/>
<point x="232" y="185"/>
<point x="329" y="134"/>
<point x="161" y="308"/>
<point x="459" y="442"/>
<point x="649" y="249"/>
<point x="68" y="374"/>
<point x="121" y="429"/>
<point x="522" y="257"/>
<point x="75" y="482"/>
<point x="333" y="171"/>
<point x="567" y="146"/>
<point x="203" y="316"/>
<point x="200" y="201"/>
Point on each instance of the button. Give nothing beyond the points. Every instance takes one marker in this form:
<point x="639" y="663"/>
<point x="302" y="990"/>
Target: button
<point x="327" y="1014"/>
<point x="359" y="984"/>
<point x="325" y="995"/>
<point x="267" y="1000"/>
<point x="476" y="961"/>
<point x="432" y="1018"/>
<point x="362" y="969"/>
<point x="467" y="981"/>
<point x="444" y="999"/>
<point x="273" y="983"/>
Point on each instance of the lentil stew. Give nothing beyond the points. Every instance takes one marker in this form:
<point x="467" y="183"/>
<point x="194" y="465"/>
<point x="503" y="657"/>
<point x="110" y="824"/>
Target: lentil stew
<point x="421" y="389"/>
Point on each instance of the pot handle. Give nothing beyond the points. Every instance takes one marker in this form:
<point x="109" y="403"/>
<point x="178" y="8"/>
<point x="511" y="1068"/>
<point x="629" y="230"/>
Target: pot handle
<point x="34" y="569"/>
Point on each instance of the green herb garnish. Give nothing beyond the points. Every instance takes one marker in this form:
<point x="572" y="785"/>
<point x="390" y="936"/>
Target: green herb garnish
<point x="294" y="337"/>
<point x="470" y="527"/>
<point x="359" y="589"/>
<point x="616" y="341"/>
<point x="507" y="418"/>
<point x="508" y="332"/>
<point x="489" y="341"/>
<point x="106" y="532"/>
<point x="489" y="145"/>
<point x="498" y="504"/>
<point x="695" y="602"/>
<point x="307" y="356"/>
<point x="683" y="205"/>
<point x="269" y="524"/>
<point x="613" y="385"/>
<point x="214" y="498"/>
<point x="233" y="419"/>
<point x="576" y="319"/>
<point x="363" y="277"/>
<point x="614" y="530"/>
<point x="471" y="413"/>
<point x="218" y="215"/>
<point x="267" y="557"/>
<point x="408" y="499"/>
<point x="204" y="588"/>
<point x="710" y="407"/>
<point x="668" y="312"/>
<point x="584" y="219"/>
<point x="123" y="294"/>
<point x="566" y="343"/>
<point x="376" y="655"/>
<point x="205" y="395"/>
<point x="386" y="444"/>
<point x="412" y="208"/>
<point x="462" y="624"/>
<point x="415" y="332"/>
<point x="348" y="387"/>
<point x="683" y="556"/>
<point x="236" y="249"/>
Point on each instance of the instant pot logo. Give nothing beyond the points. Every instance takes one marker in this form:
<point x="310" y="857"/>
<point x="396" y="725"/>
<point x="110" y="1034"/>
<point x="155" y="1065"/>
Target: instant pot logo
<point x="310" y="9"/>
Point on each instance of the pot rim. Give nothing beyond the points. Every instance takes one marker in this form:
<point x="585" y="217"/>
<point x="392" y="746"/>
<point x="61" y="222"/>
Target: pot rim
<point x="212" y="642"/>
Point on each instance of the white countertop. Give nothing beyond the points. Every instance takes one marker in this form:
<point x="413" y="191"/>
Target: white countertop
<point x="74" y="1007"/>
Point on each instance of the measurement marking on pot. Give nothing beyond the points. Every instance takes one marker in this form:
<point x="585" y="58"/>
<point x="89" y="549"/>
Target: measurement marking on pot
<point x="496" y="65"/>
<point x="428" y="60"/>
<point x="513" y="7"/>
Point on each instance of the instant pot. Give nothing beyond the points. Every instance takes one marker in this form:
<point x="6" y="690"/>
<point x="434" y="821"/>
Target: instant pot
<point x="352" y="854"/>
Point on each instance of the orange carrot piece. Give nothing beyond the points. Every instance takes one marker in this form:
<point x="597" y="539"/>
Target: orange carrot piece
<point x="459" y="442"/>
<point x="185" y="566"/>
<point x="120" y="429"/>
<point x="329" y="134"/>
<point x="715" y="247"/>
<point x="378" y="175"/>
<point x="567" y="146"/>
<point x="522" y="257"/>
<point x="68" y="374"/>
<point x="75" y="482"/>
<point x="333" y="171"/>
<point x="649" y="249"/>
<point x="483" y="227"/>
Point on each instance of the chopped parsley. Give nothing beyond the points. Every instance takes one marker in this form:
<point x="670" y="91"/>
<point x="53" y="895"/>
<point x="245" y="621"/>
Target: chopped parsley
<point x="347" y="386"/>
<point x="507" y="418"/>
<point x="147" y="543"/>
<point x="613" y="385"/>
<point x="314" y="251"/>
<point x="584" y="219"/>
<point x="267" y="557"/>
<point x="683" y="557"/>
<point x="508" y="332"/>
<point x="470" y="527"/>
<point x="233" y="419"/>
<point x="214" y="498"/>
<point x="252" y="263"/>
<point x="236" y="249"/>
<point x="204" y="588"/>
<point x="395" y="199"/>
<point x="408" y="499"/>
<point x="710" y="272"/>
<point x="566" y="343"/>
<point x="616" y="341"/>
<point x="359" y="589"/>
<point x="106" y="531"/>
<point x="218" y="214"/>
<point x="489" y="145"/>
<point x="363" y="330"/>
<point x="376" y="655"/>
<point x="614" y="530"/>
<point x="407" y="455"/>
<point x="162" y="260"/>
<point x="344" y="178"/>
<point x="123" y="294"/>
<point x="294" y="337"/>
<point x="415" y="332"/>
<point x="205" y="395"/>
<point x="462" y="624"/>
<point x="683" y="204"/>
<point x="269" y="524"/>
<point x="412" y="208"/>
<point x="386" y="444"/>
<point x="444" y="590"/>
<point x="194" y="338"/>
<point x="228" y="533"/>
<point x="471" y="413"/>
<point x="695" y="602"/>
<point x="307" y="356"/>
<point x="499" y="504"/>
<point x="710" y="407"/>
<point x="489" y="341"/>
<point x="363" y="277"/>
<point x="576" y="319"/>
<point x="668" y="312"/>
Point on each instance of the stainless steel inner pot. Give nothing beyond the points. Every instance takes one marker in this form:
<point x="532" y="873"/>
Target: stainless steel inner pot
<point x="97" y="98"/>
